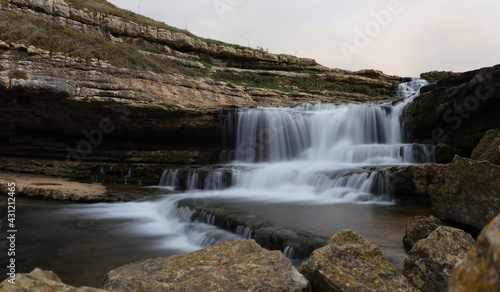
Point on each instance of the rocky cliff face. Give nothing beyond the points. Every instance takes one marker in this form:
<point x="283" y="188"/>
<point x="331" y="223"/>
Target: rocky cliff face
<point x="457" y="110"/>
<point x="160" y="38"/>
<point x="71" y="109"/>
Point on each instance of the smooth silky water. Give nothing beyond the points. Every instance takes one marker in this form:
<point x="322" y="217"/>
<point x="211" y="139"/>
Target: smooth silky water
<point x="302" y="167"/>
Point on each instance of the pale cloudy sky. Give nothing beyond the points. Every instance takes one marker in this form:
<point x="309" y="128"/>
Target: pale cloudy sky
<point x="400" y="37"/>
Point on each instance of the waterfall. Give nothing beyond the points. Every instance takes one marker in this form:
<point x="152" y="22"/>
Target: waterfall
<point x="291" y="150"/>
<point x="304" y="154"/>
<point x="170" y="178"/>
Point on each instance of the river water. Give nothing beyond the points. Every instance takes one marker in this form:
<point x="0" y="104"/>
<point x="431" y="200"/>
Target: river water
<point x="308" y="167"/>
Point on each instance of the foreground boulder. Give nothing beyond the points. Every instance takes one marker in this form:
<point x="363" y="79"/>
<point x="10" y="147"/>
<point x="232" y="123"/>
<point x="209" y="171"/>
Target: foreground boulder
<point x="480" y="269"/>
<point x="41" y="281"/>
<point x="431" y="260"/>
<point x="238" y="265"/>
<point x="351" y="263"/>
<point x="470" y="195"/>
<point x="418" y="228"/>
<point x="488" y="148"/>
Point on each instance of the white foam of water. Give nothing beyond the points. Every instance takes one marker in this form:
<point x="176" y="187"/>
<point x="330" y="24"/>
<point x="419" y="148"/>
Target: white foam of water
<point x="309" y="154"/>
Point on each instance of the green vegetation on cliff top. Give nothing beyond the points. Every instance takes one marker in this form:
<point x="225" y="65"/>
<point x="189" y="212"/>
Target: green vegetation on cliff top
<point x="18" y="74"/>
<point x="47" y="35"/>
<point x="103" y="6"/>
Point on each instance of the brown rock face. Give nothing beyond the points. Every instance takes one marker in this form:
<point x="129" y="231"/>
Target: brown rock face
<point x="420" y="227"/>
<point x="470" y="195"/>
<point x="41" y="281"/>
<point x="416" y="183"/>
<point x="480" y="269"/>
<point x="237" y="265"/>
<point x="488" y="148"/>
<point x="351" y="263"/>
<point x="431" y="260"/>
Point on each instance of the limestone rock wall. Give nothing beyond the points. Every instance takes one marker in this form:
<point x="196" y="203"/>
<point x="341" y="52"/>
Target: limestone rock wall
<point x="171" y="42"/>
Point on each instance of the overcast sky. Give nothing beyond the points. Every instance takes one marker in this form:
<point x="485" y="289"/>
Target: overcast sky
<point x="400" y="37"/>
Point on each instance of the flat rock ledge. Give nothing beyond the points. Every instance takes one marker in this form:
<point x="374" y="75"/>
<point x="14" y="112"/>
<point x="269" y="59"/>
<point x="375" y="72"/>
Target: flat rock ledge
<point x="238" y="265"/>
<point x="60" y="189"/>
<point x="351" y="263"/>
<point x="47" y="187"/>
<point x="41" y="281"/>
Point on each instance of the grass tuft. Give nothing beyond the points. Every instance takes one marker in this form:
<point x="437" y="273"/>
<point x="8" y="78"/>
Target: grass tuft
<point x="18" y="74"/>
<point x="2" y="68"/>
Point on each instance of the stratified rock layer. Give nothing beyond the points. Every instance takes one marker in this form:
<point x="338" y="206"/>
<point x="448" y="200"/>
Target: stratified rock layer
<point x="470" y="195"/>
<point x="237" y="265"/>
<point x="431" y="260"/>
<point x="351" y="263"/>
<point x="480" y="269"/>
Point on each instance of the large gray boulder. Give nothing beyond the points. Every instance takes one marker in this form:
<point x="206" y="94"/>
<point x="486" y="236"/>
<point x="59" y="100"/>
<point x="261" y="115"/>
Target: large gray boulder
<point x="480" y="269"/>
<point x="351" y="263"/>
<point x="431" y="260"/>
<point x="470" y="195"/>
<point x="238" y="265"/>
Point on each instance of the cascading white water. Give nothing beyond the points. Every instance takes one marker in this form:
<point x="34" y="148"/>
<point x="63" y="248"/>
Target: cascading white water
<point x="308" y="153"/>
<point x="290" y="149"/>
<point x="170" y="178"/>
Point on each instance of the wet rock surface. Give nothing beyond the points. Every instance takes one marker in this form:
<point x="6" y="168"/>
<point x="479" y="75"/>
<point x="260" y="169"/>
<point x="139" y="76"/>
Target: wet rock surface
<point x="227" y="266"/>
<point x="352" y="263"/>
<point x="431" y="260"/>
